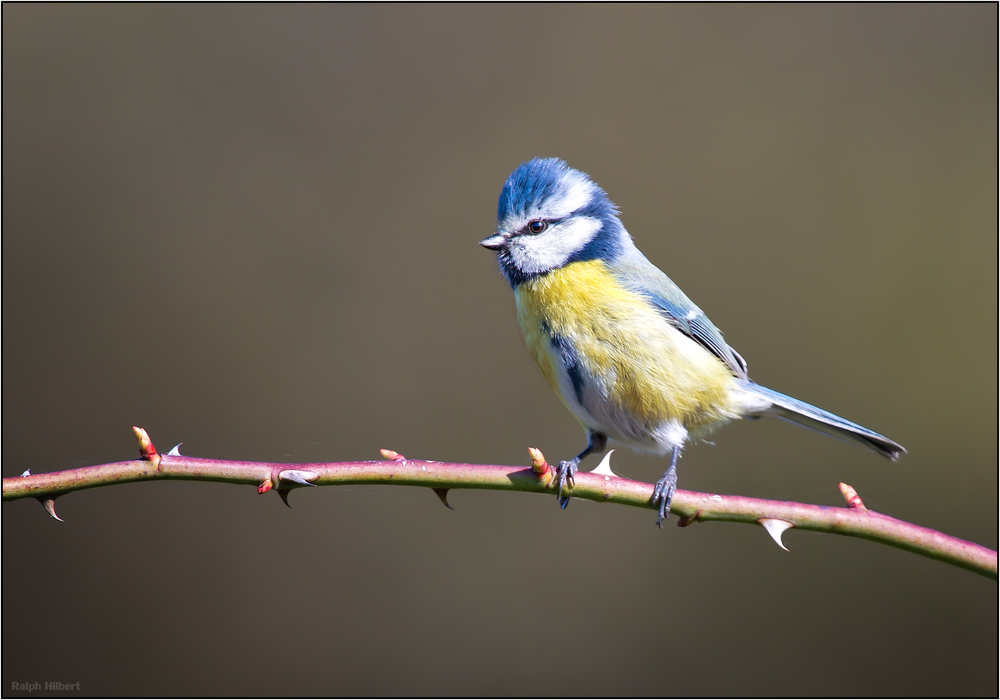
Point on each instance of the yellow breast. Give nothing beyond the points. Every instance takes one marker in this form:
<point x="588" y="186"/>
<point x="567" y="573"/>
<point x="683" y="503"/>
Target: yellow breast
<point x="633" y="359"/>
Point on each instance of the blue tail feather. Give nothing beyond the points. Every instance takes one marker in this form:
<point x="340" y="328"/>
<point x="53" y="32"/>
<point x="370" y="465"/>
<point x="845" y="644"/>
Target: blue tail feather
<point x="809" y="416"/>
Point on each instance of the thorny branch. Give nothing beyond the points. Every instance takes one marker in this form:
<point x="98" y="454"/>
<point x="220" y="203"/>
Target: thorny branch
<point x="600" y="485"/>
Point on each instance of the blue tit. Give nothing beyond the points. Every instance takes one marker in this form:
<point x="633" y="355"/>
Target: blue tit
<point x="628" y="353"/>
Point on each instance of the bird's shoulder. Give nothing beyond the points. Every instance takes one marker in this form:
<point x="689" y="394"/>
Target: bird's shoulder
<point x="636" y="273"/>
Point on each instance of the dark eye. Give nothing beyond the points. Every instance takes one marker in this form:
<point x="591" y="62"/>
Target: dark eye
<point x="537" y="226"/>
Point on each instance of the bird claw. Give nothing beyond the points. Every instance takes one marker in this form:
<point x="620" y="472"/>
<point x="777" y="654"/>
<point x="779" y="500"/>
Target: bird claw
<point x="567" y="473"/>
<point x="664" y="493"/>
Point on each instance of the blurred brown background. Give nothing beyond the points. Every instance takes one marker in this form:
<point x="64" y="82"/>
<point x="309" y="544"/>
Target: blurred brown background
<point x="253" y="230"/>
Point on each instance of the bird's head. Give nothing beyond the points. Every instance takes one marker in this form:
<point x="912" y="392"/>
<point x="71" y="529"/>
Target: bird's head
<point x="550" y="215"/>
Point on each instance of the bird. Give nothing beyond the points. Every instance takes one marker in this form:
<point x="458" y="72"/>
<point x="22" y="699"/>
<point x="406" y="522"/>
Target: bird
<point x="634" y="360"/>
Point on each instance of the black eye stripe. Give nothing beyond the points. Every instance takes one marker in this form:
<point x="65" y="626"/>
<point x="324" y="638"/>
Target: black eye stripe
<point x="537" y="226"/>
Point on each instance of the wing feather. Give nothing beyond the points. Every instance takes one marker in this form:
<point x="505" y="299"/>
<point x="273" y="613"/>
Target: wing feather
<point x="641" y="276"/>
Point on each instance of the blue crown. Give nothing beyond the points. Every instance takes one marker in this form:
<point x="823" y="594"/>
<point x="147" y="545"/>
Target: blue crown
<point x="541" y="179"/>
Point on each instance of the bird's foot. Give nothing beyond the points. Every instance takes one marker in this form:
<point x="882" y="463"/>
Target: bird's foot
<point x="566" y="473"/>
<point x="664" y="493"/>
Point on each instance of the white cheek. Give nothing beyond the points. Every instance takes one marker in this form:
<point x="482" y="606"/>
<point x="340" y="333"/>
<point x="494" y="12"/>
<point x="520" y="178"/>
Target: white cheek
<point x="549" y="250"/>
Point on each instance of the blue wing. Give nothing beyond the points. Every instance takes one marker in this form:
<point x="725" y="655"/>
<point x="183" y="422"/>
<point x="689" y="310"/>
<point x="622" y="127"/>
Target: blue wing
<point x="636" y="273"/>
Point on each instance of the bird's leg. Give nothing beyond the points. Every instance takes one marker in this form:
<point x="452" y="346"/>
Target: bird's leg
<point x="665" y="487"/>
<point x="568" y="468"/>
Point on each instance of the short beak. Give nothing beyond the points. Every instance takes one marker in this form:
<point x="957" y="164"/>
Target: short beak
<point x="495" y="242"/>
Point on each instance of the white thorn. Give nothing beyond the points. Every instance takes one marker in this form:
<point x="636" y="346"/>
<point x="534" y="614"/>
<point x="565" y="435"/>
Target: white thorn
<point x="775" y="528"/>
<point x="26" y="472"/>
<point x="605" y="466"/>
<point x="176" y="450"/>
<point x="50" y="507"/>
<point x="298" y="477"/>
